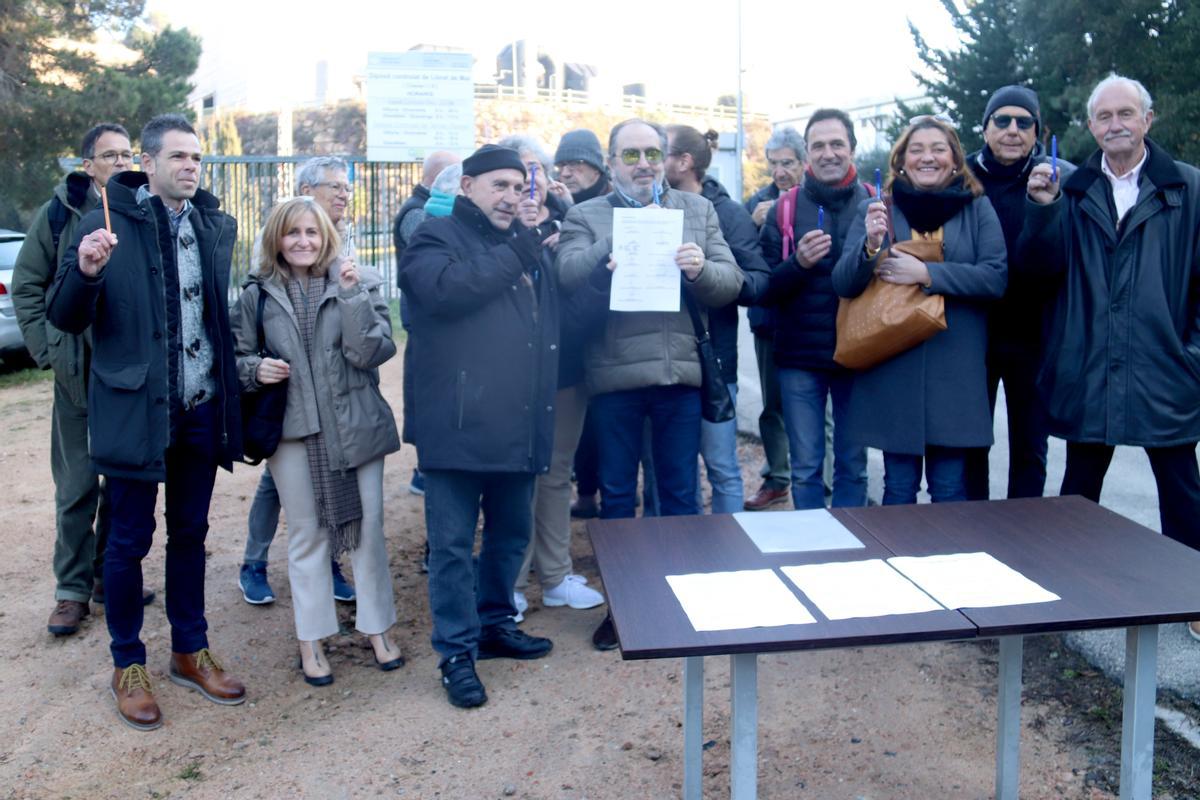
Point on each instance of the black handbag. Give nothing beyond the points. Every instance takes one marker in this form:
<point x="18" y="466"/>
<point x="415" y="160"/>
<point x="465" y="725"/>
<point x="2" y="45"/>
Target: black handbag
<point x="262" y="410"/>
<point x="715" y="403"/>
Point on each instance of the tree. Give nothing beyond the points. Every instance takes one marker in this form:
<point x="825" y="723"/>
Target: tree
<point x="51" y="92"/>
<point x="1061" y="50"/>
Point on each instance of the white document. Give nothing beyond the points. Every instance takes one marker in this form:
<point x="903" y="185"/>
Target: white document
<point x="723" y="601"/>
<point x="853" y="589"/>
<point x="796" y="531"/>
<point x="418" y="102"/>
<point x="644" y="244"/>
<point x="971" y="580"/>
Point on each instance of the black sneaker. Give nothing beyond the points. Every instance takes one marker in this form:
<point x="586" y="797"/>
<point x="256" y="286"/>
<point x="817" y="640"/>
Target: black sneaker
<point x="462" y="685"/>
<point x="605" y="637"/>
<point x="500" y="641"/>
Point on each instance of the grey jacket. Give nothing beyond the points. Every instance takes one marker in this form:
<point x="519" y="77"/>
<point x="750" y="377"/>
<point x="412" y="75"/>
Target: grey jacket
<point x="33" y="274"/>
<point x="640" y="349"/>
<point x="935" y="393"/>
<point x="337" y="391"/>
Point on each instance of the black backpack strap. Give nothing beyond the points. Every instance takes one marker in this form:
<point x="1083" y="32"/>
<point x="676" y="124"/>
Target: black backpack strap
<point x="57" y="215"/>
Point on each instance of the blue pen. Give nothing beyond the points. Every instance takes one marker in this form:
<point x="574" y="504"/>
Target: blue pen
<point x="878" y="184"/>
<point x="821" y="218"/>
<point x="1054" y="158"/>
<point x="533" y="181"/>
<point x="657" y="194"/>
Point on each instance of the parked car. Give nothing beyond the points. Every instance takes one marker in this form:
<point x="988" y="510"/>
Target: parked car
<point x="12" y="345"/>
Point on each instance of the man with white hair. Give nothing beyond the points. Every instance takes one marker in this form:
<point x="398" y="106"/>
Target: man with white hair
<point x="1122" y="361"/>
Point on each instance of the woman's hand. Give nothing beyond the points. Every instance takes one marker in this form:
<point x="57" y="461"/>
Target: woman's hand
<point x="551" y="241"/>
<point x="348" y="277"/>
<point x="903" y="269"/>
<point x="876" y="224"/>
<point x="272" y="370"/>
<point x="690" y="258"/>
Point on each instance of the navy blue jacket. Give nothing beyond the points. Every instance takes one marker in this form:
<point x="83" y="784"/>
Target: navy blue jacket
<point x="742" y="237"/>
<point x="804" y="301"/>
<point x="761" y="317"/>
<point x="484" y="345"/>
<point x="133" y="308"/>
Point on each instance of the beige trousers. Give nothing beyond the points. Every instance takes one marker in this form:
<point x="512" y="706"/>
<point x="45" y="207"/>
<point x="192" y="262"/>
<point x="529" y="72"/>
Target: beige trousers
<point x="309" y="551"/>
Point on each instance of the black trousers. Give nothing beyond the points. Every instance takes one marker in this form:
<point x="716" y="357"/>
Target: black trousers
<point x="1027" y="437"/>
<point x="1175" y="472"/>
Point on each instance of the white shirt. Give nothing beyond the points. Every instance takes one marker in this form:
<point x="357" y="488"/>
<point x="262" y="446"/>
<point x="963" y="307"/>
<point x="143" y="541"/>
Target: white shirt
<point x="1125" y="188"/>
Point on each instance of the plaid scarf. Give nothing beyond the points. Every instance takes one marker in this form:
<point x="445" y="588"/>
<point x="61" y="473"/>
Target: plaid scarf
<point x="339" y="509"/>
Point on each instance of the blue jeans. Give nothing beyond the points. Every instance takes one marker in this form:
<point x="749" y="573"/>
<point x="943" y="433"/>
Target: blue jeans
<point x="191" y="463"/>
<point x="718" y="445"/>
<point x="464" y="597"/>
<point x="804" y="393"/>
<point x="945" y="473"/>
<point x="674" y="413"/>
<point x="263" y="520"/>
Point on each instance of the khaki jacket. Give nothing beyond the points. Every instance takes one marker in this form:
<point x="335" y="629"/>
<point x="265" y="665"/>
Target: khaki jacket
<point x="338" y="391"/>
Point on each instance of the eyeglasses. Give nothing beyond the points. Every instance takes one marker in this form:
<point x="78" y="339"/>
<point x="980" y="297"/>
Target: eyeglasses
<point x="338" y="188"/>
<point x="1002" y="121"/>
<point x="113" y="156"/>
<point x="632" y="155"/>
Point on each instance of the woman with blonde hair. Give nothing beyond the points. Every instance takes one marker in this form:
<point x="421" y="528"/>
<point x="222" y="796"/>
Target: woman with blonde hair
<point x="925" y="406"/>
<point x="328" y="329"/>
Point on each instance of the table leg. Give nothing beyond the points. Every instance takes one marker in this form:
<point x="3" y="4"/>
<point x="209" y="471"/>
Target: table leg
<point x="1008" y="722"/>
<point x="743" y="767"/>
<point x="693" y="727"/>
<point x="1137" y="721"/>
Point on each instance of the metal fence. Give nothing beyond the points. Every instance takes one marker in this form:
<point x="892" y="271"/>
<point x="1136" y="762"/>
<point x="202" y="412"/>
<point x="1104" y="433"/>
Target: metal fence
<point x="248" y="186"/>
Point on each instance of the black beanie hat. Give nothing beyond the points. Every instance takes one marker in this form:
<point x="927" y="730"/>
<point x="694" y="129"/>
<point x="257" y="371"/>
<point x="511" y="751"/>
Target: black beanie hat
<point x="1014" y="96"/>
<point x="492" y="157"/>
<point x="580" y="145"/>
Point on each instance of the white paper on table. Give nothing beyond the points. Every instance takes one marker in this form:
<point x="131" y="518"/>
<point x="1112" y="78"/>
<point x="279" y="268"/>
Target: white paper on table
<point x="644" y="244"/>
<point x="722" y="601"/>
<point x="971" y="580"/>
<point x="849" y="589"/>
<point x="796" y="531"/>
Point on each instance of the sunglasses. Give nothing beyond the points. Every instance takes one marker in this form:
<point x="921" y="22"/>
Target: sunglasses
<point x="632" y="155"/>
<point x="1002" y="121"/>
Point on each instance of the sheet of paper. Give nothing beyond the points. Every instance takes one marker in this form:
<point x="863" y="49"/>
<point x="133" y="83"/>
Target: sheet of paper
<point x="723" y="601"/>
<point x="971" y="580"/>
<point x="859" y="589"/>
<point x="796" y="531"/>
<point x="644" y="245"/>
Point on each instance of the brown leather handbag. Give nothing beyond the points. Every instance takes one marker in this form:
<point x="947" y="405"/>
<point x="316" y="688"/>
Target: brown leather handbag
<point x="887" y="318"/>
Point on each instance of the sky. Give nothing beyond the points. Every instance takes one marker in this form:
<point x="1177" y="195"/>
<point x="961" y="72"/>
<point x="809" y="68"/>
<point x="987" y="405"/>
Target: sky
<point x="836" y="53"/>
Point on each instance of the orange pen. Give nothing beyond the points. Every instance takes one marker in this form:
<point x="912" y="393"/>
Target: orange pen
<point x="104" y="202"/>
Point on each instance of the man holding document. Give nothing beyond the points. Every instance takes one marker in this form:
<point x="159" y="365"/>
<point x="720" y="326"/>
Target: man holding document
<point x="640" y="253"/>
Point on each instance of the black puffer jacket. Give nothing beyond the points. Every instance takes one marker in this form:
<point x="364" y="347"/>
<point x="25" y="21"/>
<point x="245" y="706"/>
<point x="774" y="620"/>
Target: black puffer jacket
<point x="484" y="344"/>
<point x="740" y="234"/>
<point x="804" y="301"/>
<point x="1122" y="362"/>
<point x="133" y="308"/>
<point x="762" y="318"/>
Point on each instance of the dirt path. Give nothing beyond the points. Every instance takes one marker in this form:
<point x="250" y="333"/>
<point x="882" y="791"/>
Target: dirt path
<point x="896" y="722"/>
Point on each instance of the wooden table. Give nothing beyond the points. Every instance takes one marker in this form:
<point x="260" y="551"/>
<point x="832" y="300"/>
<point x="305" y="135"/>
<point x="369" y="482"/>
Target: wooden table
<point x="1109" y="571"/>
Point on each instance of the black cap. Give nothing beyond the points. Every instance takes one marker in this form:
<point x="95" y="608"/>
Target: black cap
<point x="492" y="157"/>
<point x="580" y="145"/>
<point x="1019" y="96"/>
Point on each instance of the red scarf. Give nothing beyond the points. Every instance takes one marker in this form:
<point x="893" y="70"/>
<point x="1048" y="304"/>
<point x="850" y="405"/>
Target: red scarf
<point x="851" y="176"/>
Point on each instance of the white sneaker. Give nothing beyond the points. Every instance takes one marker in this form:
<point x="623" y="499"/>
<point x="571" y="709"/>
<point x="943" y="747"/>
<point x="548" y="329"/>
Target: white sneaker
<point x="573" y="592"/>
<point x="522" y="606"/>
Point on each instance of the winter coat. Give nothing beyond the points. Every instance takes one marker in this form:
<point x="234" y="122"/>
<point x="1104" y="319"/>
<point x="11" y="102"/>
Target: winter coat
<point x="646" y="348"/>
<point x="1015" y="328"/>
<point x="804" y="303"/>
<point x="416" y="201"/>
<point x="935" y="393"/>
<point x="336" y="390"/>
<point x="133" y="308"/>
<point x="1122" y="361"/>
<point x="762" y="317"/>
<point x="484" y="345"/>
<point x="37" y="262"/>
<point x="742" y="237"/>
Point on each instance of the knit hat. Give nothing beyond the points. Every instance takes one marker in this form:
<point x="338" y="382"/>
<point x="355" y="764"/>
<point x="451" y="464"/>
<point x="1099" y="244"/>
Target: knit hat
<point x="1014" y="96"/>
<point x="492" y="157"/>
<point x="580" y="145"/>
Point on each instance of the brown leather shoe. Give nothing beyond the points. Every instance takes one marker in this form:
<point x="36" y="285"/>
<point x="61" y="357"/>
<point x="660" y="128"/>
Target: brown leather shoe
<point x="201" y="671"/>
<point x="66" y="616"/>
<point x="767" y="495"/>
<point x="134" y="694"/>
